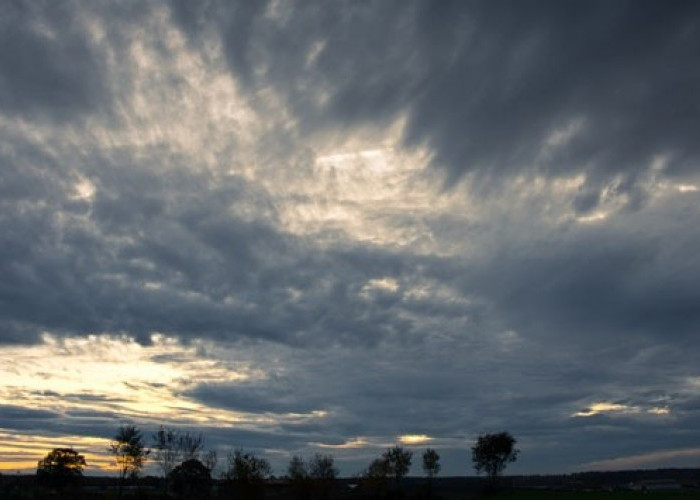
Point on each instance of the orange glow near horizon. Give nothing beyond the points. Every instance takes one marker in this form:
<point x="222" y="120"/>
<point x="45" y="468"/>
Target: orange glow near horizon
<point x="114" y="376"/>
<point x="23" y="451"/>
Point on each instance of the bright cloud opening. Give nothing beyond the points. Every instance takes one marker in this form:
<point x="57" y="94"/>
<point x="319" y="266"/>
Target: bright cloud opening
<point x="414" y="439"/>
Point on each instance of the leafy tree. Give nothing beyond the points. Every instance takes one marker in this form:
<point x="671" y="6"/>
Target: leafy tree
<point x="129" y="452"/>
<point x="431" y="466"/>
<point x="399" y="460"/>
<point x="375" y="477"/>
<point x="492" y="452"/>
<point x="431" y="463"/>
<point x="379" y="468"/>
<point x="190" y="479"/>
<point x="61" y="467"/>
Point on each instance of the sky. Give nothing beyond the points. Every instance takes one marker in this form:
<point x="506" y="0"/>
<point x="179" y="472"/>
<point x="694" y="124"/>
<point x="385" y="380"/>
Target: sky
<point x="308" y="227"/>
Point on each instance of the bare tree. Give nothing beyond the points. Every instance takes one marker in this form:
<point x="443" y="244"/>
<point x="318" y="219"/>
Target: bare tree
<point x="165" y="449"/>
<point x="246" y="474"/>
<point x="323" y="472"/>
<point x="322" y="467"/>
<point x="299" y="478"/>
<point x="210" y="460"/>
<point x="296" y="470"/>
<point x="190" y="446"/>
<point x="247" y="468"/>
<point x="172" y="447"/>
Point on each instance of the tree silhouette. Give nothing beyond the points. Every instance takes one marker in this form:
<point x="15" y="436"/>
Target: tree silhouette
<point x="129" y="452"/>
<point x="431" y="466"/>
<point x="190" y="480"/>
<point x="246" y="474"/>
<point x="322" y="467"/>
<point x="299" y="478"/>
<point x="190" y="446"/>
<point x="431" y="463"/>
<point x="379" y="468"/>
<point x="492" y="452"/>
<point x="165" y="450"/>
<point x="375" y="477"/>
<point x="210" y="459"/>
<point x="296" y="470"/>
<point x="323" y="473"/>
<point x="399" y="460"/>
<point x="172" y="447"/>
<point x="61" y="467"/>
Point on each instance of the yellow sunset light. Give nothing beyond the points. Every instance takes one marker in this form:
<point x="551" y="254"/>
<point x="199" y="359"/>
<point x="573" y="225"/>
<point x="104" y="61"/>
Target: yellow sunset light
<point x="414" y="438"/>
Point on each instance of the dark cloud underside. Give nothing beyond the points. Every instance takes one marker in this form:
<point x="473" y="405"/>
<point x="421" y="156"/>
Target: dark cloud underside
<point x="405" y="217"/>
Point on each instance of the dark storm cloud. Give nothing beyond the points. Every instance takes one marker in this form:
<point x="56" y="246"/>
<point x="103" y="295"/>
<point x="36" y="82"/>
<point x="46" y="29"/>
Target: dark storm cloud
<point x="156" y="255"/>
<point x="238" y="397"/>
<point x="152" y="252"/>
<point x="72" y="277"/>
<point x="487" y="84"/>
<point x="510" y="321"/>
<point x="622" y="279"/>
<point x="457" y="389"/>
<point x="48" y="67"/>
<point x="227" y="440"/>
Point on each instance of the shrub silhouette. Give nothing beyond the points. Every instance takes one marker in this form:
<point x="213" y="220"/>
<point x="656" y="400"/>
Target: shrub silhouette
<point x="190" y="479"/>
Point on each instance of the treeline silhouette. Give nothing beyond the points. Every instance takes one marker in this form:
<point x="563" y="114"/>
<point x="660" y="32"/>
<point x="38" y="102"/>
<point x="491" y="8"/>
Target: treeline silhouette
<point x="187" y="471"/>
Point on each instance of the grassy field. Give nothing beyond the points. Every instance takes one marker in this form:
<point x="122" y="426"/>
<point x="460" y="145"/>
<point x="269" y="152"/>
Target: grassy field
<point x="594" y="495"/>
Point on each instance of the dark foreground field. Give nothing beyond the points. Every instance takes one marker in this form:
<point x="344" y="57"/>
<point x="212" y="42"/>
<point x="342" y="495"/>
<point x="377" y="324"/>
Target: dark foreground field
<point x="593" y="486"/>
<point x="594" y="495"/>
<point x="407" y="494"/>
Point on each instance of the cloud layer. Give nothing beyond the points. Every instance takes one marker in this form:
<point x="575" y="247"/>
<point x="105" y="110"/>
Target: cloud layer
<point x="333" y="227"/>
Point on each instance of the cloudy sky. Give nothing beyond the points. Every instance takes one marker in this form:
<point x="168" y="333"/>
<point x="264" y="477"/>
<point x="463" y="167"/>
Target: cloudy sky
<point x="305" y="227"/>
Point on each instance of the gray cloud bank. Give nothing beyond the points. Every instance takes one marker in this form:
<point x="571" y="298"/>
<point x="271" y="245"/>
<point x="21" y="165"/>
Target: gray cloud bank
<point x="532" y="303"/>
<point x="487" y="85"/>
